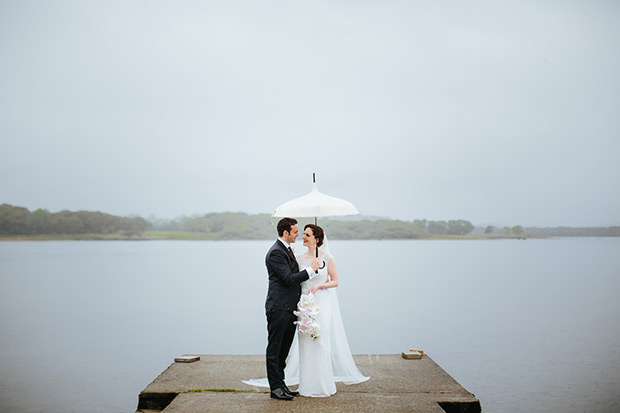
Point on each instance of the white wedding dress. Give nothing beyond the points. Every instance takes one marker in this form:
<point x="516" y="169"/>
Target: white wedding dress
<point x="316" y="365"/>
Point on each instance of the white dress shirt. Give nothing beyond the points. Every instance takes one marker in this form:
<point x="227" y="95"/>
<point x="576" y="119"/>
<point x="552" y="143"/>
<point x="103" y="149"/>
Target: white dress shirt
<point x="309" y="270"/>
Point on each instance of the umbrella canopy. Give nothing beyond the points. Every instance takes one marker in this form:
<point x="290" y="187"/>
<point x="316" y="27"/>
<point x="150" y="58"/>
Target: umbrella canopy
<point x="315" y="204"/>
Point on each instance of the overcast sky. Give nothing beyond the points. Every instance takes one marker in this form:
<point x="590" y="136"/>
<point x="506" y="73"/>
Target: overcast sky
<point x="498" y="112"/>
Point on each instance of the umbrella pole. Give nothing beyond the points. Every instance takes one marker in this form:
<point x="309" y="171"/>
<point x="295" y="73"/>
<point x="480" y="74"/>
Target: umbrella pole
<point x="315" y="221"/>
<point x="317" y="245"/>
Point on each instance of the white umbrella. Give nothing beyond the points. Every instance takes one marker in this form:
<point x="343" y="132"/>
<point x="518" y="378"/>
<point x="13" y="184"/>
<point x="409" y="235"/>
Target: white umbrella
<point x="315" y="204"/>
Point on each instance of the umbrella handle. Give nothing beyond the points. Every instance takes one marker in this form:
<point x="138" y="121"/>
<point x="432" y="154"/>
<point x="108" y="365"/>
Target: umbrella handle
<point x="321" y="267"/>
<point x="317" y="255"/>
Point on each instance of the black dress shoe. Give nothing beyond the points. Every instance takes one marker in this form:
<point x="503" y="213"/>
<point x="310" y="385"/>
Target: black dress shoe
<point x="280" y="394"/>
<point x="289" y="391"/>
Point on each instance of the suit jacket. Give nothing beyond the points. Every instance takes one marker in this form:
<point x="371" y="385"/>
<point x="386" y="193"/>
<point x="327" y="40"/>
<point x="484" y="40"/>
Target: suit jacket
<point x="284" y="279"/>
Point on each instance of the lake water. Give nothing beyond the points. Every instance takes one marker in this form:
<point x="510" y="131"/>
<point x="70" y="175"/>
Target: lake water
<point x="527" y="326"/>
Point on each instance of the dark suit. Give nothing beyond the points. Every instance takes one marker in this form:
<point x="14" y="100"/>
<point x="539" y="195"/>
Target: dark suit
<point x="282" y="297"/>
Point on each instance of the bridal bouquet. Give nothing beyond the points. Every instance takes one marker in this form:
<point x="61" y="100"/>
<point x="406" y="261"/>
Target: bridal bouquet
<point x="307" y="311"/>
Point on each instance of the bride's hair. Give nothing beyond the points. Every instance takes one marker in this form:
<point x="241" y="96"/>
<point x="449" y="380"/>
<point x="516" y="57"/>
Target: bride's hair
<point x="318" y="233"/>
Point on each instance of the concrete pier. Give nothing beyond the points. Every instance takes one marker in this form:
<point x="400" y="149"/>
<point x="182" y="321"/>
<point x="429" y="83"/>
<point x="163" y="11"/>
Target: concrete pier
<point x="213" y="384"/>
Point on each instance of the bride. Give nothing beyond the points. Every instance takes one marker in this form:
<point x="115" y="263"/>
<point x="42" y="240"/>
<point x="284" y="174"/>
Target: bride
<point x="317" y="364"/>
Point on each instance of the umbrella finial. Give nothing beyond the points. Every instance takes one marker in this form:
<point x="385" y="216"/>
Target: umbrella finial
<point x="313" y="178"/>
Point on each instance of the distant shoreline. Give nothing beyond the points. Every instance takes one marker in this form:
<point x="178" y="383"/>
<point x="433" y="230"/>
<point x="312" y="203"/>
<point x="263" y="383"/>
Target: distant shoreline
<point x="18" y="223"/>
<point x="196" y="236"/>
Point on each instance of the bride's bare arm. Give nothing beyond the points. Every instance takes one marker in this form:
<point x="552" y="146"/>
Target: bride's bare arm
<point x="332" y="270"/>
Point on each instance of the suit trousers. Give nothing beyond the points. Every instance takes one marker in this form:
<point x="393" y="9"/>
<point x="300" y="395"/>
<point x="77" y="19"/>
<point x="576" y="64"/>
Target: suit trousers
<point x="281" y="332"/>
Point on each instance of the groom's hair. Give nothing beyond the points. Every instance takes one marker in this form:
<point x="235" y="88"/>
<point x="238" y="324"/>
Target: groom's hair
<point x="285" y="224"/>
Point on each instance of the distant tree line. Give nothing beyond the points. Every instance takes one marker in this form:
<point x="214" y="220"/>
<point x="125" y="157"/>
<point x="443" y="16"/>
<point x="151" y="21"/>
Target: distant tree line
<point x="453" y="227"/>
<point x="516" y="230"/>
<point x="221" y="226"/>
<point x="232" y="225"/>
<point x="366" y="229"/>
<point x="239" y="225"/>
<point x="573" y="232"/>
<point x="20" y="221"/>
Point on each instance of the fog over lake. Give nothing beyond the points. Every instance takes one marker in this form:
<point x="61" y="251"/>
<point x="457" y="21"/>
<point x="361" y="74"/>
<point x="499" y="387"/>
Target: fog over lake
<point x="497" y="113"/>
<point x="524" y="325"/>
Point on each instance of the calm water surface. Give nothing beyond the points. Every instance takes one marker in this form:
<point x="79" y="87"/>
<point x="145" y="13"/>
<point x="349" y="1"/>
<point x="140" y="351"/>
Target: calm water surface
<point x="528" y="326"/>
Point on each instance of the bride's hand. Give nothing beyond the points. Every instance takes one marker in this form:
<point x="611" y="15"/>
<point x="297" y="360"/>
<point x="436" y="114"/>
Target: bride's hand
<point x="314" y="288"/>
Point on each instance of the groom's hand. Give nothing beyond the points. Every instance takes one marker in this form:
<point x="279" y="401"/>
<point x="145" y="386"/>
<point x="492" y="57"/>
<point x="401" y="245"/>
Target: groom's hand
<point x="315" y="264"/>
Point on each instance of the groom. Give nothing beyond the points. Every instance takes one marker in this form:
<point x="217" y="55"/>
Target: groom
<point x="282" y="297"/>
